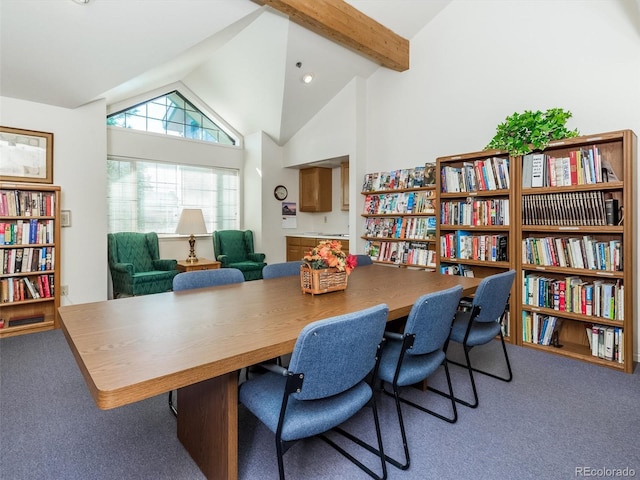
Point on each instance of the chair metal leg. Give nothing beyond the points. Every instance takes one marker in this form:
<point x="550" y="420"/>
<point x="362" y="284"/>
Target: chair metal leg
<point x="398" y="399"/>
<point x="379" y="451"/>
<point x="472" y="369"/>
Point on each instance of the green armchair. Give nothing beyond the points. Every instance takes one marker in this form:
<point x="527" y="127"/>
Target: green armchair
<point x="234" y="249"/>
<point x="136" y="268"/>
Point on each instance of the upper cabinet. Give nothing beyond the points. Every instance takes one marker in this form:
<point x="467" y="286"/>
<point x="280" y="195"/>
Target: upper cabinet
<point x="315" y="189"/>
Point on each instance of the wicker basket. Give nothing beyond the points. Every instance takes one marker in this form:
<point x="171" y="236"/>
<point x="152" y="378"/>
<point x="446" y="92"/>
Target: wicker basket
<point x="322" y="281"/>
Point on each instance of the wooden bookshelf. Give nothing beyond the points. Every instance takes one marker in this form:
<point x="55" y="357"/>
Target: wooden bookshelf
<point x="571" y="210"/>
<point x="36" y="209"/>
<point x="400" y="218"/>
<point x="557" y="232"/>
<point x="474" y="232"/>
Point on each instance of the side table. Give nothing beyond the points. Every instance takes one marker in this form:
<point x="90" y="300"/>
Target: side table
<point x="201" y="264"/>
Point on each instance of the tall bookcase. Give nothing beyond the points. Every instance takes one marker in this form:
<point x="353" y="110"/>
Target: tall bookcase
<point x="475" y="221"/>
<point x="400" y="217"/>
<point x="578" y="254"/>
<point x="29" y="258"/>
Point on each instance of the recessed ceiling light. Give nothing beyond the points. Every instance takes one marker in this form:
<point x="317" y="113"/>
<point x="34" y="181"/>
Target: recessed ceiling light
<point x="307" y="78"/>
<point x="81" y="2"/>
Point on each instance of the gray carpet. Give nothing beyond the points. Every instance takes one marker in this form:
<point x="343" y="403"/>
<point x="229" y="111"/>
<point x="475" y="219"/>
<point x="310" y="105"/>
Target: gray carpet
<point x="556" y="416"/>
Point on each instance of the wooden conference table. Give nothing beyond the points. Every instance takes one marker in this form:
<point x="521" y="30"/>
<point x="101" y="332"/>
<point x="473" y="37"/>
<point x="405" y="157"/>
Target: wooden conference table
<point x="196" y="341"/>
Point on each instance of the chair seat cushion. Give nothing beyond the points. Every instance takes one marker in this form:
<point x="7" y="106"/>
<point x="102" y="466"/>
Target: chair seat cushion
<point x="481" y="332"/>
<point x="415" y="368"/>
<point x="263" y="396"/>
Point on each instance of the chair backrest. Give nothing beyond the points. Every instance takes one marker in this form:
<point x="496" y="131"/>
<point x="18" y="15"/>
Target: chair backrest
<point x="235" y="244"/>
<point x="284" y="269"/>
<point x="337" y="353"/>
<point x="492" y="295"/>
<point x="364" y="259"/>
<point x="206" y="278"/>
<point x="140" y="249"/>
<point x="430" y="320"/>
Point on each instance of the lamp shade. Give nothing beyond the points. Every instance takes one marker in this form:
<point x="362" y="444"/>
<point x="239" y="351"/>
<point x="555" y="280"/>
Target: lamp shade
<point x="191" y="222"/>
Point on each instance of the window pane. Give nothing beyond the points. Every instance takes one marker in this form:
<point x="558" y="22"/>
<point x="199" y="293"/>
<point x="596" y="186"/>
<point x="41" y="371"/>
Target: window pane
<point x="146" y="196"/>
<point x="181" y="117"/>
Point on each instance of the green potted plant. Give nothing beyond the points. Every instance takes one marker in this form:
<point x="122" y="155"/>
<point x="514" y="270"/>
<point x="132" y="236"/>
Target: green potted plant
<point x="525" y="132"/>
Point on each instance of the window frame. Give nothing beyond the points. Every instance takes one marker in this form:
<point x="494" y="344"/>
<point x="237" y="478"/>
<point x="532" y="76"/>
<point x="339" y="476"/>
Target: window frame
<point x="213" y="222"/>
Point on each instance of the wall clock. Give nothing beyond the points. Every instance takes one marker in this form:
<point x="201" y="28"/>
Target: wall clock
<point x="280" y="192"/>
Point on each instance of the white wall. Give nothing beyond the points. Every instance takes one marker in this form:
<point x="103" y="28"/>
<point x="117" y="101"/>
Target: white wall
<point x="79" y="168"/>
<point x="332" y="133"/>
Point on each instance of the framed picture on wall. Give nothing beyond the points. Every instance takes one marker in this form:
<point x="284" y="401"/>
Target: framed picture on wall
<point x="26" y="156"/>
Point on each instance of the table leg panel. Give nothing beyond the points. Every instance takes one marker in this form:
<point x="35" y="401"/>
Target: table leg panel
<point x="208" y="425"/>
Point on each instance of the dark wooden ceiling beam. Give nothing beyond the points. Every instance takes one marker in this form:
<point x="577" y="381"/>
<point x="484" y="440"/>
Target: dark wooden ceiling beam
<point x="342" y="23"/>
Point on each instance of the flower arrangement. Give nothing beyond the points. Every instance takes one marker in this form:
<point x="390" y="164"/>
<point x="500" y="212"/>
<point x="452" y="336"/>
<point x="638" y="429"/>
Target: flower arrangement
<point x="329" y="254"/>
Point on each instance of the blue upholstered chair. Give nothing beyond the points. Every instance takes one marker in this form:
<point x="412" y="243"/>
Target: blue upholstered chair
<point x="135" y="264"/>
<point x="328" y="381"/>
<point x="481" y="322"/>
<point x="284" y="269"/>
<point x="234" y="249"/>
<point x="206" y="278"/>
<point x="202" y="279"/>
<point x="364" y="259"/>
<point x="412" y="356"/>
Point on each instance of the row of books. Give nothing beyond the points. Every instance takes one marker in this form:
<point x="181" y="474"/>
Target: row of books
<point x="606" y="342"/>
<point x="464" y="245"/>
<point x="405" y="202"/>
<point x="598" y="298"/>
<point x="401" y="253"/>
<point x="16" y="203"/>
<point x="18" y="289"/>
<point x="460" y="269"/>
<point x="415" y="228"/>
<point x="580" y="167"/>
<point x="488" y="174"/>
<point x="25" y="232"/>
<point x="398" y="179"/>
<point x="24" y="260"/>
<point x="474" y="211"/>
<point x="538" y="328"/>
<point x="573" y="252"/>
<point x="568" y="208"/>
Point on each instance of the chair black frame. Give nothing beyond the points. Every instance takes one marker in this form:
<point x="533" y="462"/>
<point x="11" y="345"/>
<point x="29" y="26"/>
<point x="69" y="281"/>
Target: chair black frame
<point x="295" y="382"/>
<point x="470" y="312"/>
<point x="473" y="313"/>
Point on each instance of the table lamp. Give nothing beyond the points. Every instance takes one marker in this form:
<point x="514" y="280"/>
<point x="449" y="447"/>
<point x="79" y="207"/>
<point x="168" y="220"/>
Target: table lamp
<point x="191" y="222"/>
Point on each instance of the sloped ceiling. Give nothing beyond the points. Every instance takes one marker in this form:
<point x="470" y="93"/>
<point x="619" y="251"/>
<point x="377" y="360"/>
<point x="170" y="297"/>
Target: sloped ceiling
<point x="238" y="57"/>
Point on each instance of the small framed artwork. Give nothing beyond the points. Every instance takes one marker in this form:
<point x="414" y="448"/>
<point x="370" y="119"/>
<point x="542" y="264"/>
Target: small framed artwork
<point x="26" y="156"/>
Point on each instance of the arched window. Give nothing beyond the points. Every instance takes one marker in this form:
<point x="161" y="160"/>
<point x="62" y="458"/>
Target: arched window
<point x="171" y="114"/>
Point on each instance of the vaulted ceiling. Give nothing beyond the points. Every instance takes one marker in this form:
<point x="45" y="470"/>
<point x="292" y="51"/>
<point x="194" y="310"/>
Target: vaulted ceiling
<point x="237" y="56"/>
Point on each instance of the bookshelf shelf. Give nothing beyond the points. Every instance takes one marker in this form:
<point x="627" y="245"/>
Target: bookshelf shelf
<point x="29" y="258"/>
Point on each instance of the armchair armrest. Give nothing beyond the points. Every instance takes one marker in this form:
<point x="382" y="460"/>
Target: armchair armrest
<point x="224" y="260"/>
<point x="256" y="257"/>
<point x="123" y="268"/>
<point x="165" y="264"/>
